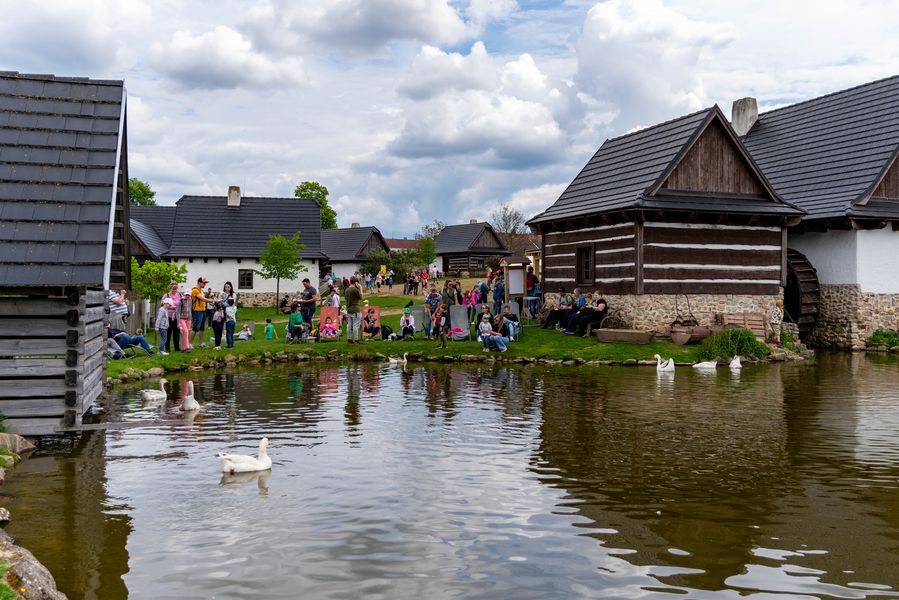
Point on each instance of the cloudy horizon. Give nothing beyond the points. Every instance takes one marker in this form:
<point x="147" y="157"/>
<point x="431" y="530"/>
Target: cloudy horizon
<point x="415" y="110"/>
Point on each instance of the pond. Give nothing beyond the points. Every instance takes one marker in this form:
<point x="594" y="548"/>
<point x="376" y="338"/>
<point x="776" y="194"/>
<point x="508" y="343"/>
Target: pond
<point x="443" y="481"/>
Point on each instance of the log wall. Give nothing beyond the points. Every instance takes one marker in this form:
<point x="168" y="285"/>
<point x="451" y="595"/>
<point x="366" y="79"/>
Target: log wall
<point x="52" y="358"/>
<point x="613" y="248"/>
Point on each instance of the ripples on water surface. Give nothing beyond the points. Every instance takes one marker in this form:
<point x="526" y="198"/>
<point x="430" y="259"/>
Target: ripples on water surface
<point x="450" y="482"/>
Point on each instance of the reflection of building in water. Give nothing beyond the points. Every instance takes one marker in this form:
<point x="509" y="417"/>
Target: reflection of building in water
<point x="690" y="466"/>
<point x="82" y="534"/>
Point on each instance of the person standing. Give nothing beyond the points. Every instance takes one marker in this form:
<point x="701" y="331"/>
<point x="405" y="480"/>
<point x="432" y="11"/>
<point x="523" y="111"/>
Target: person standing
<point x="230" y="322"/>
<point x="775" y="321"/>
<point x="118" y="308"/>
<point x="228" y="292"/>
<point x="184" y="321"/>
<point x="308" y="300"/>
<point x="198" y="312"/>
<point x="353" y="297"/>
<point x="210" y="305"/>
<point x="218" y="323"/>
<point x="162" y="326"/>
<point x="432" y="301"/>
<point x="174" y="298"/>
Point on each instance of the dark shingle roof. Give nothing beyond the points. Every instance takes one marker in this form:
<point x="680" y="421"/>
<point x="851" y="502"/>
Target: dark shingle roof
<point x="460" y="239"/>
<point x="826" y="154"/>
<point x="206" y="226"/>
<point x="59" y="142"/>
<point x="160" y="218"/>
<point x="625" y="167"/>
<point x="347" y="245"/>
<point x="149" y="238"/>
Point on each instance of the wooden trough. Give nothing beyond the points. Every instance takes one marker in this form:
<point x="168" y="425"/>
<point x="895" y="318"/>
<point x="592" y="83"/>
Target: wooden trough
<point x="624" y="336"/>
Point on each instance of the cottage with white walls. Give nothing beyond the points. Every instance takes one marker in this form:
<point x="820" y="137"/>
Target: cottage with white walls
<point x="348" y="248"/>
<point x="835" y="157"/>
<point x="221" y="238"/>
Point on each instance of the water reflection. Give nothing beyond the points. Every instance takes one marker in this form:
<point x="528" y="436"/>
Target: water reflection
<point x="445" y="481"/>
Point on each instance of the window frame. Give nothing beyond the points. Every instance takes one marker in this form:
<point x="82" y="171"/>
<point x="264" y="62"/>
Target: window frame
<point x="589" y="251"/>
<point x="240" y="274"/>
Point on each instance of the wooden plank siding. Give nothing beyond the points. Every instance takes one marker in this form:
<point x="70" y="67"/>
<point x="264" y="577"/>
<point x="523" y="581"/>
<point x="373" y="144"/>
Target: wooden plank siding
<point x="889" y="185"/>
<point x="715" y="259"/>
<point x="52" y="358"/>
<point x="613" y="252"/>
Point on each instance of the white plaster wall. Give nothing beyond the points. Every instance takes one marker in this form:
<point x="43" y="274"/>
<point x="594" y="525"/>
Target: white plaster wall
<point x="878" y="260"/>
<point x="345" y="269"/>
<point x="832" y="253"/>
<point x="219" y="272"/>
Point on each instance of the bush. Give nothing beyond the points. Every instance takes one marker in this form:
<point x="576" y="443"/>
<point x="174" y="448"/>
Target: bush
<point x="883" y="337"/>
<point x="732" y="342"/>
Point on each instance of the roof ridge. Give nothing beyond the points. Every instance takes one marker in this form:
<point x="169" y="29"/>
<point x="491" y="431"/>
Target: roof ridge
<point x="668" y="122"/>
<point x="61" y="78"/>
<point x="829" y="94"/>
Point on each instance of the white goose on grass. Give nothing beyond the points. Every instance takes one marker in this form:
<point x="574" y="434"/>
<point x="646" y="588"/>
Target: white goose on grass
<point x="189" y="403"/>
<point x="398" y="361"/>
<point x="735" y="364"/>
<point x="152" y="396"/>
<point x="241" y="463"/>
<point x="666" y="366"/>
<point x="709" y="365"/>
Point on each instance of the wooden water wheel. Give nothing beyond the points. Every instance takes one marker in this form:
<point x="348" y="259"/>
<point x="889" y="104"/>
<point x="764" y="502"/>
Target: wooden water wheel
<point x="802" y="294"/>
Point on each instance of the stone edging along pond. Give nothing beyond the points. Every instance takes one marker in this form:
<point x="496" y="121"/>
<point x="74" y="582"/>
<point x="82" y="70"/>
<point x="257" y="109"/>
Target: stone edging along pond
<point x="231" y="360"/>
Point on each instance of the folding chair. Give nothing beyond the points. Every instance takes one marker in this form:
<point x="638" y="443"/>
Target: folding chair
<point x="418" y="313"/>
<point x="458" y="319"/>
<point x="333" y="313"/>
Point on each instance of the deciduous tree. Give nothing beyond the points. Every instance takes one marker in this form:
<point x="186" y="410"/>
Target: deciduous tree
<point x="152" y="279"/>
<point x="509" y="224"/>
<point x="140" y="193"/>
<point x="432" y="230"/>
<point x="281" y="259"/>
<point x="313" y="190"/>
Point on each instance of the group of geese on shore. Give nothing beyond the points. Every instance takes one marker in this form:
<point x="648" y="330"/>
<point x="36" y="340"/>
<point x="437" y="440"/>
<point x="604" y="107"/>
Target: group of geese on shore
<point x="667" y="366"/>
<point x="231" y="463"/>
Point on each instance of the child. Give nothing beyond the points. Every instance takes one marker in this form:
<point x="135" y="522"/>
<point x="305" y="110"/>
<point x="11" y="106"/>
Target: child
<point x="230" y="322"/>
<point x="218" y="323"/>
<point x="484" y="330"/>
<point x="329" y="329"/>
<point x="245" y="333"/>
<point x="162" y="325"/>
<point x="407" y="325"/>
<point x="270" y="332"/>
<point x="440" y="326"/>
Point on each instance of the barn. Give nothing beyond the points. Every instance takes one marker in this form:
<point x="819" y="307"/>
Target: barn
<point x="347" y="248"/>
<point x="63" y="241"/>
<point x="672" y="219"/>
<point x="836" y="158"/>
<point x="468" y="247"/>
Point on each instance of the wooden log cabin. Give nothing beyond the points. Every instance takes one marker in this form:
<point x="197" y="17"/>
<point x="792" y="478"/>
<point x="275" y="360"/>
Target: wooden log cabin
<point x="676" y="209"/>
<point x="468" y="247"/>
<point x="63" y="242"/>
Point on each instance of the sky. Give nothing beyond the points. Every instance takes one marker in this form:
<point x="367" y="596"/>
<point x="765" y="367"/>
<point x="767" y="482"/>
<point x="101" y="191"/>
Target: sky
<point x="415" y="110"/>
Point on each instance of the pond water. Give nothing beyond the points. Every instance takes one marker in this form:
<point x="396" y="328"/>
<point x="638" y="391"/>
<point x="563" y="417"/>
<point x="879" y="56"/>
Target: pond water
<point x="444" y="481"/>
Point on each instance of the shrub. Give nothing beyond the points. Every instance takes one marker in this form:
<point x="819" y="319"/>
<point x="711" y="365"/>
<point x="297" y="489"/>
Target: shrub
<point x="732" y="342"/>
<point x="883" y="337"/>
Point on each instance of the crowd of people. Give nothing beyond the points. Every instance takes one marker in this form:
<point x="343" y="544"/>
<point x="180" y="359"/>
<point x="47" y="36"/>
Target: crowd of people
<point x="576" y="312"/>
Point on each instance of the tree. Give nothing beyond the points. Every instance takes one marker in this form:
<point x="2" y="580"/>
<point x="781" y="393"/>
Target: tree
<point x="313" y="190"/>
<point x="140" y="193"/>
<point x="152" y="279"/>
<point x="400" y="262"/>
<point x="427" y="251"/>
<point x="281" y="259"/>
<point x="430" y="231"/>
<point x="509" y="223"/>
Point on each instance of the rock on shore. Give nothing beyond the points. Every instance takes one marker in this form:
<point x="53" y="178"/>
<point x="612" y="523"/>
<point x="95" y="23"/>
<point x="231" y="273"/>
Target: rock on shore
<point x="26" y="576"/>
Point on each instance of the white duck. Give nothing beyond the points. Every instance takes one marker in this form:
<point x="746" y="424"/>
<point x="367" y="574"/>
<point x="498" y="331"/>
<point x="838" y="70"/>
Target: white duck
<point x="398" y="361"/>
<point x="709" y="365"/>
<point x="735" y="364"/>
<point x="664" y="366"/>
<point x="240" y="463"/>
<point x="189" y="403"/>
<point x="152" y="396"/>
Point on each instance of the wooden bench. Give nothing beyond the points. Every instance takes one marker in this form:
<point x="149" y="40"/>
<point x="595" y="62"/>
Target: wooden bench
<point x="625" y="336"/>
<point x="754" y="322"/>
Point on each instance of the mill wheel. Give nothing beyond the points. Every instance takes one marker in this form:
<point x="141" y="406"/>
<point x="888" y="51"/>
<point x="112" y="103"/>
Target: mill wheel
<point x="802" y="294"/>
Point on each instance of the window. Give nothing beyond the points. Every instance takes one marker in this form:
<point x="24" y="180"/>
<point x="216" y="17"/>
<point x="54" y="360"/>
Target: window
<point x="584" y="273"/>
<point x="245" y="279"/>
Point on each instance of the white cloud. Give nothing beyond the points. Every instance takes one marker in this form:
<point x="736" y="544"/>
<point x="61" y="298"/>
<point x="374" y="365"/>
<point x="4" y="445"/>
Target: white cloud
<point x="645" y="59"/>
<point x="481" y="12"/>
<point x="222" y="58"/>
<point x="435" y="72"/>
<point x="533" y="200"/>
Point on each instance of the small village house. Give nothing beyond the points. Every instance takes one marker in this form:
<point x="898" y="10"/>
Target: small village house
<point x="468" y="248"/>
<point x="836" y="158"/>
<point x="677" y="209"/>
<point x="221" y="238"/>
<point x="63" y="242"/>
<point x="397" y="244"/>
<point x="348" y="248"/>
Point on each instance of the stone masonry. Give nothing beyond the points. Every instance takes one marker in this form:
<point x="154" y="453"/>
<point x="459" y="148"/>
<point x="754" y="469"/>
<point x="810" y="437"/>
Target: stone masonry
<point x="849" y="316"/>
<point x="256" y="299"/>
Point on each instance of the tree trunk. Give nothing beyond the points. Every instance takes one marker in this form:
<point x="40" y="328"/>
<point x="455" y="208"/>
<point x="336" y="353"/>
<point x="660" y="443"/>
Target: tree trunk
<point x="277" y="292"/>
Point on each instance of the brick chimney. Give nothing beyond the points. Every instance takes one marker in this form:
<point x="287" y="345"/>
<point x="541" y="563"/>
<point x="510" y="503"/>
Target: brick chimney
<point x="355" y="225"/>
<point x="744" y="115"/>
<point x="473" y="221"/>
<point x="234" y="196"/>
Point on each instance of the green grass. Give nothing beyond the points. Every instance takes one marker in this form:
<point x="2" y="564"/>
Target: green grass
<point x="730" y="343"/>
<point x="7" y="452"/>
<point x="6" y="592"/>
<point x="883" y="337"/>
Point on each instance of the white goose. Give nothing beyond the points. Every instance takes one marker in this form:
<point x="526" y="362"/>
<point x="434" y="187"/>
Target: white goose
<point x="664" y="367"/>
<point x="398" y="361"/>
<point x="151" y="396"/>
<point x="709" y="365"/>
<point x="735" y="364"/>
<point x="189" y="403"/>
<point x="240" y="463"/>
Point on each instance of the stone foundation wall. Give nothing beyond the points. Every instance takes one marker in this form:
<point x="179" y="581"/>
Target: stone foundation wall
<point x="257" y="299"/>
<point x="849" y="316"/>
<point x="656" y="312"/>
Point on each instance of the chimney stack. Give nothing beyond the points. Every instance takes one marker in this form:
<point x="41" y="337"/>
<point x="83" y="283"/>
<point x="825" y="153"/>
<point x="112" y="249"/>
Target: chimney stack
<point x="234" y="196"/>
<point x="473" y="221"/>
<point x="744" y="115"/>
<point x="355" y="225"/>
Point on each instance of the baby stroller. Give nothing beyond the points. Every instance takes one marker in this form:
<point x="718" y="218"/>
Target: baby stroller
<point x="297" y="339"/>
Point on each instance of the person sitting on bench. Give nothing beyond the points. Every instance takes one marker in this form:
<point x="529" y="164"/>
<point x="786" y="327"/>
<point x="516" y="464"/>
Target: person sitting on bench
<point x="562" y="311"/>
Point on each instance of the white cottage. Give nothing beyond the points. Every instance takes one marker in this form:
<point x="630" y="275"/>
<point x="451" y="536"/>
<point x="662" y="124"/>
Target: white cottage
<point x="348" y="248"/>
<point x="221" y="238"/>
